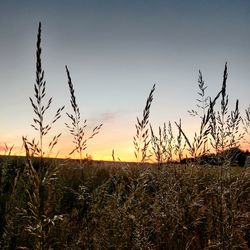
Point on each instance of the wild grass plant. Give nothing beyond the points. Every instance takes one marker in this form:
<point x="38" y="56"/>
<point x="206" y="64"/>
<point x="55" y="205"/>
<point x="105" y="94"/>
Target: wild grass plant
<point x="198" y="145"/>
<point x="77" y="128"/>
<point x="40" y="107"/>
<point x="224" y="126"/>
<point x="246" y="124"/>
<point x="36" y="180"/>
<point x="141" y="139"/>
<point x="166" y="146"/>
<point x="41" y="178"/>
<point x="7" y="150"/>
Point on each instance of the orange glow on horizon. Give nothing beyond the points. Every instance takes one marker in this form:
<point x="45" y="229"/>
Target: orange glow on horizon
<point x="123" y="154"/>
<point x="99" y="149"/>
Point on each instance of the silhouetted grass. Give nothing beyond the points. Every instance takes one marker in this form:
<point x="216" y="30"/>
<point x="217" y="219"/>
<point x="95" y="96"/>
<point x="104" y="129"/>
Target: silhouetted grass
<point x="36" y="180"/>
<point x="77" y="128"/>
<point x="141" y="139"/>
<point x="40" y="108"/>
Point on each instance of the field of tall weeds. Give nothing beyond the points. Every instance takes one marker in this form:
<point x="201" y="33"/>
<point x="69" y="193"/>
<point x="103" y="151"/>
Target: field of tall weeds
<point x="157" y="202"/>
<point x="126" y="207"/>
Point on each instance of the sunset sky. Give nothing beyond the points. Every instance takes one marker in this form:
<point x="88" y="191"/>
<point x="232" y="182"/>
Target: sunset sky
<point x="116" y="50"/>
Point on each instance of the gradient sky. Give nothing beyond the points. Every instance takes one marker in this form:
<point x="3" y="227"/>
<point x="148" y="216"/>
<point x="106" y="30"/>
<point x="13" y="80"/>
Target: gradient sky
<point x="116" y="50"/>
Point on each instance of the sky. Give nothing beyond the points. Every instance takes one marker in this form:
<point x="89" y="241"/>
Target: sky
<point x="116" y="50"/>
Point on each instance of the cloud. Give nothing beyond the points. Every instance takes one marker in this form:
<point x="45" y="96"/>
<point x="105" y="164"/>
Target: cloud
<point x="105" y="117"/>
<point x="108" y="116"/>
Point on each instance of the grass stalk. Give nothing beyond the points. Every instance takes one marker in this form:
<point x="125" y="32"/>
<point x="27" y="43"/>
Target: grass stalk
<point x="77" y="129"/>
<point x="141" y="141"/>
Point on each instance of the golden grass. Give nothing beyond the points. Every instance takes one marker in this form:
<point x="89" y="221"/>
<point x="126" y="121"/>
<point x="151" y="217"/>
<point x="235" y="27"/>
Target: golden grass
<point x="96" y="206"/>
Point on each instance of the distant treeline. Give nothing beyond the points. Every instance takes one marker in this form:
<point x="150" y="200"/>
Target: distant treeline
<point x="232" y="157"/>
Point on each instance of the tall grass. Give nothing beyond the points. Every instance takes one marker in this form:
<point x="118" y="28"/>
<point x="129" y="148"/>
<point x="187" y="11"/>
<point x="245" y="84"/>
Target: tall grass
<point x="224" y="125"/>
<point x="203" y="99"/>
<point x="40" y="106"/>
<point x="77" y="128"/>
<point x="246" y="124"/>
<point x="38" y="179"/>
<point x="141" y="139"/>
<point x="166" y="146"/>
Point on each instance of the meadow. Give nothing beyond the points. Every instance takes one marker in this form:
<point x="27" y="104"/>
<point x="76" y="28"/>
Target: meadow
<point x="163" y="200"/>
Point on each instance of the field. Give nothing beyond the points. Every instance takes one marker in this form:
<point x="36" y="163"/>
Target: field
<point x="123" y="206"/>
<point x="163" y="200"/>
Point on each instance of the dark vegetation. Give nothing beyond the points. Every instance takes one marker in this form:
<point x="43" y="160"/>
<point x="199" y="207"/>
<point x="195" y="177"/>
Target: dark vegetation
<point x="195" y="202"/>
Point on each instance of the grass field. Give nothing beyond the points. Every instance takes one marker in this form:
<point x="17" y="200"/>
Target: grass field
<point x="124" y="206"/>
<point x="50" y="203"/>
